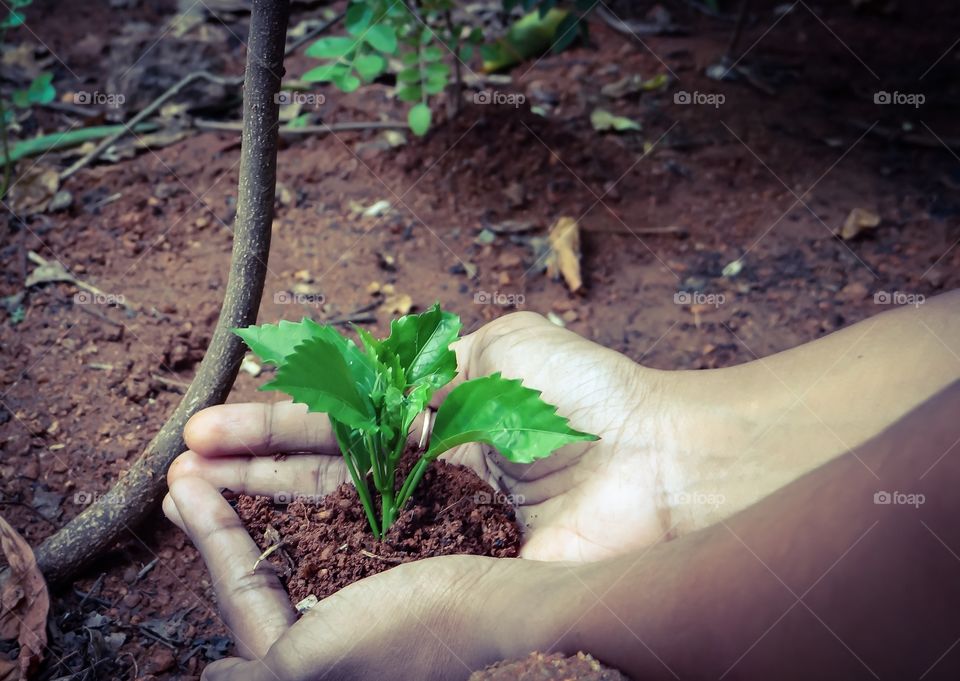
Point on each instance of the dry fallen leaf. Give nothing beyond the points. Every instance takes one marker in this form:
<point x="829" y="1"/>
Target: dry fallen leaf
<point x="32" y="191"/>
<point x="24" y="604"/>
<point x="398" y="304"/>
<point x="858" y="221"/>
<point x="564" y="257"/>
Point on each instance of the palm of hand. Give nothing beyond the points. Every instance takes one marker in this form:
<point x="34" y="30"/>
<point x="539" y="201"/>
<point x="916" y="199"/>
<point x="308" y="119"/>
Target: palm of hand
<point x="594" y="499"/>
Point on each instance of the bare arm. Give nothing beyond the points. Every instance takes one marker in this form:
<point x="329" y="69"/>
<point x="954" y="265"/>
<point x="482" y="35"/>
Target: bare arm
<point x="750" y="429"/>
<point x="815" y="581"/>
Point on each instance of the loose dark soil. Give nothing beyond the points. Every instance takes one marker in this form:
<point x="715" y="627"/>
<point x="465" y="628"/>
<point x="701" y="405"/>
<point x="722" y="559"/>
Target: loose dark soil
<point x="328" y="545"/>
<point x="540" y="667"/>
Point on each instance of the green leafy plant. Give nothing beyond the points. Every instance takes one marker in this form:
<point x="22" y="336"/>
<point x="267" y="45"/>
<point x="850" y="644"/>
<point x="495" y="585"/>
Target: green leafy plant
<point x="424" y="43"/>
<point x="373" y="394"/>
<point x="40" y="91"/>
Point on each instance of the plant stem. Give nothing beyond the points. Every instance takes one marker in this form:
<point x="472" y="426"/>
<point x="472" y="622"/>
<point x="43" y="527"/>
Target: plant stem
<point x="363" y="492"/>
<point x="413" y="479"/>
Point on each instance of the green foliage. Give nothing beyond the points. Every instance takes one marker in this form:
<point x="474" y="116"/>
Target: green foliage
<point x="422" y="43"/>
<point x="40" y="91"/>
<point x="373" y="393"/>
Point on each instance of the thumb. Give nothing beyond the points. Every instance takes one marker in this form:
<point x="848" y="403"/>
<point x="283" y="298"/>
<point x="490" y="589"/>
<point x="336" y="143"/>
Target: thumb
<point x="237" y="669"/>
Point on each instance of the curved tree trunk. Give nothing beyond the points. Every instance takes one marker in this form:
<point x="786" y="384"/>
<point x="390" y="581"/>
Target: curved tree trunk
<point x="142" y="487"/>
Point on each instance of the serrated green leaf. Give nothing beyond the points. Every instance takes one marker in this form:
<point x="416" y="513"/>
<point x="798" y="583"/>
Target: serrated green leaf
<point x="317" y="374"/>
<point x="273" y="343"/>
<point x="382" y="38"/>
<point x="41" y="91"/>
<point x="331" y="47"/>
<point x="419" y="119"/>
<point x="13" y="20"/>
<point x="325" y="73"/>
<point x="504" y="414"/>
<point x="369" y="66"/>
<point x="421" y="343"/>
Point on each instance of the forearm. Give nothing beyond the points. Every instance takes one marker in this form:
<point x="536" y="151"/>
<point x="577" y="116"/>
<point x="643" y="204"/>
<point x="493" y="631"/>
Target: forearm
<point x="815" y="581"/>
<point x="760" y="425"/>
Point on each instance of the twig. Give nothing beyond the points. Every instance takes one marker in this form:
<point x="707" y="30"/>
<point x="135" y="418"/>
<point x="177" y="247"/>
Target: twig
<point x="266" y="554"/>
<point x="395" y="561"/>
<point x="39" y="260"/>
<point x="146" y="569"/>
<point x="919" y="140"/>
<point x="138" y="493"/>
<point x="311" y="34"/>
<point x="150" y="108"/>
<point x="178" y="386"/>
<point x="322" y="129"/>
<point x="637" y="28"/>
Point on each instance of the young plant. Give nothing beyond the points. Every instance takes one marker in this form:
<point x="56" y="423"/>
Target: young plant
<point x="373" y="394"/>
<point x="419" y="42"/>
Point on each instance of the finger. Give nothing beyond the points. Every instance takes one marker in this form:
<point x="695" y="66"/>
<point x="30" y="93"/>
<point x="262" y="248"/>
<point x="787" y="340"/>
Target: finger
<point x="236" y="669"/>
<point x="485" y="351"/>
<point x="258" y="429"/>
<point x="173" y="514"/>
<point x="254" y="606"/>
<point x="303" y="475"/>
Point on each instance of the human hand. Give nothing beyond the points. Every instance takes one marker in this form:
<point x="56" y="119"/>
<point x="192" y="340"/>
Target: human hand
<point x="587" y="501"/>
<point x="433" y="619"/>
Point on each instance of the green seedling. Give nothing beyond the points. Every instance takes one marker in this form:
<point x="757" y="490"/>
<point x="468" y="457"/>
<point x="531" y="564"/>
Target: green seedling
<point x="373" y="392"/>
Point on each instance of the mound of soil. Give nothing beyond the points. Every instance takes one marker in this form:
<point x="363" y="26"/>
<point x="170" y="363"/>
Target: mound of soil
<point x="540" y="667"/>
<point x="327" y="544"/>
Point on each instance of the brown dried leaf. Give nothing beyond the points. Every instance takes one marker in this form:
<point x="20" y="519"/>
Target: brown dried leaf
<point x="24" y="604"/>
<point x="858" y="221"/>
<point x="564" y="258"/>
<point x="33" y="190"/>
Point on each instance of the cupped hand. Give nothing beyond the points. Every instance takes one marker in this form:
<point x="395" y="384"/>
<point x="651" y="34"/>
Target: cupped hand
<point x="431" y="620"/>
<point x="586" y="502"/>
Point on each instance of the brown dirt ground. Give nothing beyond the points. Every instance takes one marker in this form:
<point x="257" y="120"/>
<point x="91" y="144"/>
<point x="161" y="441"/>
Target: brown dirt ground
<point x="763" y="177"/>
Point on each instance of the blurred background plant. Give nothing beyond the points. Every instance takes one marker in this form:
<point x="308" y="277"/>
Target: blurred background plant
<point x="40" y="91"/>
<point x="424" y="45"/>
